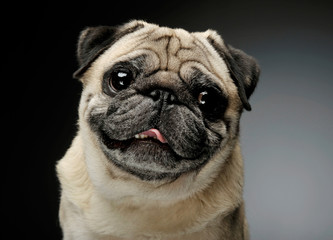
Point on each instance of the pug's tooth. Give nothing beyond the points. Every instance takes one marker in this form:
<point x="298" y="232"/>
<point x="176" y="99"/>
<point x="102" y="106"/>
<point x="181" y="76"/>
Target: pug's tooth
<point x="137" y="136"/>
<point x="142" y="136"/>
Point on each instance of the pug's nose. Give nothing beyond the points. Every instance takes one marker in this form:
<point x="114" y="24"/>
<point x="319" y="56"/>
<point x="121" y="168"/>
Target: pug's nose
<point x="155" y="94"/>
<point x="164" y="95"/>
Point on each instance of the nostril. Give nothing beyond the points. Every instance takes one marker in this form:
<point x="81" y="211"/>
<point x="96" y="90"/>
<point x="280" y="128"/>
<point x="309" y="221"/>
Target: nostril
<point x="155" y="94"/>
<point x="171" y="98"/>
<point x="165" y="96"/>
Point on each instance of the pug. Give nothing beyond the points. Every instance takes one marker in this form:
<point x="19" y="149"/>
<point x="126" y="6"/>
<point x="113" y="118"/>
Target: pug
<point x="157" y="153"/>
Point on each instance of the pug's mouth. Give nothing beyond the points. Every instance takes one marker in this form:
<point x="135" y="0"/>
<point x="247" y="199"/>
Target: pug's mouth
<point x="151" y="133"/>
<point x="148" y="155"/>
<point x="150" y="136"/>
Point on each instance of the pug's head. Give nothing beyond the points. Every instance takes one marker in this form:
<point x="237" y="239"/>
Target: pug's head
<point x="159" y="103"/>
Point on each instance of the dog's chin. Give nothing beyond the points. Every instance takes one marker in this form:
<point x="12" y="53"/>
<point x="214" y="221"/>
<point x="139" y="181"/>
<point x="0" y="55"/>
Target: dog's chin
<point x="148" y="158"/>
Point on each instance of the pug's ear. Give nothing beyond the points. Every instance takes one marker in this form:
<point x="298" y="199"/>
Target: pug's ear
<point x="93" y="41"/>
<point x="243" y="68"/>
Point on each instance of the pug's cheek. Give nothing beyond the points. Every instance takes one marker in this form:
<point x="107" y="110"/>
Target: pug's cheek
<point x="129" y="118"/>
<point x="184" y="131"/>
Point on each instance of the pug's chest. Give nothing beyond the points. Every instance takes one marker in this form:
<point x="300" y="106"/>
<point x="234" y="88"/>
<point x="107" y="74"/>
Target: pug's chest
<point x="162" y="228"/>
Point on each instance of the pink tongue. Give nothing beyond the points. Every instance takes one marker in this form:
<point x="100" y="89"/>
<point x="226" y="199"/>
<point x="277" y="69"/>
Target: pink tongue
<point x="155" y="133"/>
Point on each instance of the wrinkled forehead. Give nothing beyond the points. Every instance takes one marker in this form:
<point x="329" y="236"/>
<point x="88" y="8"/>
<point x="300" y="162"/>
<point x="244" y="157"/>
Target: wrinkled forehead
<point x="174" y="47"/>
<point x="159" y="48"/>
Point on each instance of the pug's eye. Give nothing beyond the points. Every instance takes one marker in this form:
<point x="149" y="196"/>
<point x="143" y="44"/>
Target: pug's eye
<point x="120" y="79"/>
<point x="212" y="104"/>
<point x="202" y="98"/>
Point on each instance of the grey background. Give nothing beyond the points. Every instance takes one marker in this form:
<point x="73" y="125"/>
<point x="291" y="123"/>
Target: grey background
<point x="286" y="139"/>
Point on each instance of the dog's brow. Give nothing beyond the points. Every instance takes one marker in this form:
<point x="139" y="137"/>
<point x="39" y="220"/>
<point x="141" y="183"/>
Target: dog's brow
<point x="198" y="76"/>
<point x="200" y="80"/>
<point x="138" y="62"/>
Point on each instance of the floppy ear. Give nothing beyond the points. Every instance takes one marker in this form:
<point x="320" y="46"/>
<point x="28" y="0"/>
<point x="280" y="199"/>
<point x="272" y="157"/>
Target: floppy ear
<point x="243" y="68"/>
<point x="93" y="41"/>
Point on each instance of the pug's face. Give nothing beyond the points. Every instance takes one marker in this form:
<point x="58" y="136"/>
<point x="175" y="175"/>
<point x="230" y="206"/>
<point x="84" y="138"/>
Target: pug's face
<point x="161" y="102"/>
